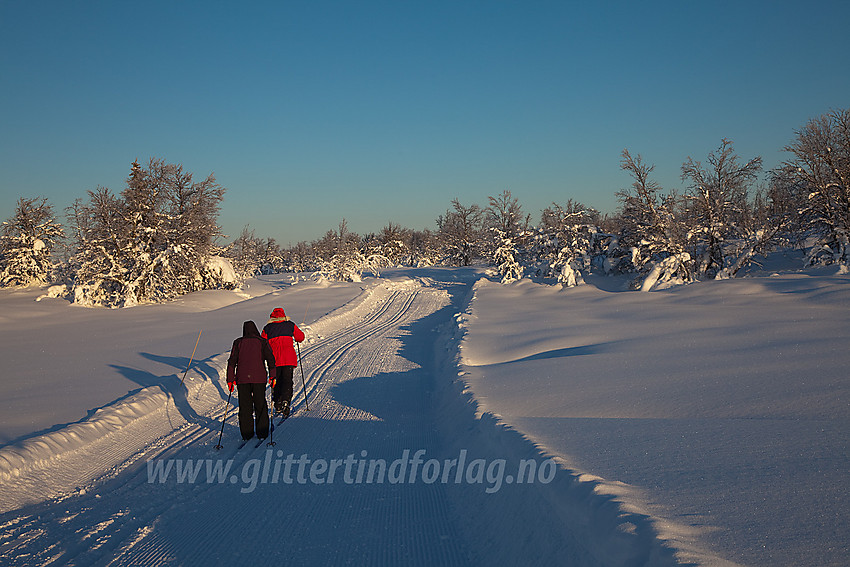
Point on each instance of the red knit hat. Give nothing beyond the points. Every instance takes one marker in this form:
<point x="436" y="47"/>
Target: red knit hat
<point x="278" y="313"/>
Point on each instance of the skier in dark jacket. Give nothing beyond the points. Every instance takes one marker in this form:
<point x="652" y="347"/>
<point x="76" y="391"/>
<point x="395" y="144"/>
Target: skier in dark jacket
<point x="282" y="334"/>
<point x="247" y="366"/>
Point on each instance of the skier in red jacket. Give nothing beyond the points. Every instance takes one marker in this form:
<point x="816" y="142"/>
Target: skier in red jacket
<point x="282" y="334"/>
<point x="249" y="358"/>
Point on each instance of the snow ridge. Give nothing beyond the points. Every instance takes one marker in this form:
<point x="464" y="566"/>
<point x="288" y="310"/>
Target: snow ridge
<point x="35" y="452"/>
<point x="107" y="440"/>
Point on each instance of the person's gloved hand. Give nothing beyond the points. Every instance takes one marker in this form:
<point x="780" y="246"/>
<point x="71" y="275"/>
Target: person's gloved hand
<point x="272" y="381"/>
<point x="230" y="386"/>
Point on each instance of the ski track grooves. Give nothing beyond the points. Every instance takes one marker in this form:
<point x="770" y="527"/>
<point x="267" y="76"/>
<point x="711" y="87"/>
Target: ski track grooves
<point x="350" y="338"/>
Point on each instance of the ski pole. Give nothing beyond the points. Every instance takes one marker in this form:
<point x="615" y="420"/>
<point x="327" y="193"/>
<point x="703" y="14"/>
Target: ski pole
<point x="191" y="358"/>
<point x="271" y="442"/>
<point x="226" y="407"/>
<point x="303" y="383"/>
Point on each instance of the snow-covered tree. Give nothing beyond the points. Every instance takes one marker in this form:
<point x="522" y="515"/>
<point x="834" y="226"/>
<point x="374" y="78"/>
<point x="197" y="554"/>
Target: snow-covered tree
<point x="505" y="257"/>
<point x="99" y="240"/>
<point x="461" y="234"/>
<point x="26" y="242"/>
<point x="424" y="248"/>
<point x="300" y="258"/>
<point x="717" y="208"/>
<point x="567" y="268"/>
<point x="393" y="242"/>
<point x="504" y="213"/>
<point x="192" y="208"/>
<point x="651" y="230"/>
<point x="273" y="260"/>
<point x="151" y="243"/>
<point x="566" y="242"/>
<point x="252" y="256"/>
<point x="780" y="205"/>
<point x="820" y="166"/>
<point x="341" y="258"/>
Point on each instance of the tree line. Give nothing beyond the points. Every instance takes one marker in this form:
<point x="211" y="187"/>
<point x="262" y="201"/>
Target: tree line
<point x="159" y="238"/>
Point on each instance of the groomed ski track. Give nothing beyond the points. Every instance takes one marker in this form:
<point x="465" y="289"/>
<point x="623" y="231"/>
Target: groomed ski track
<point x="380" y="377"/>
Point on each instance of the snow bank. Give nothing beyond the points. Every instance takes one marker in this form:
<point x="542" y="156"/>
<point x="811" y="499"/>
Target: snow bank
<point x="35" y="452"/>
<point x="66" y="460"/>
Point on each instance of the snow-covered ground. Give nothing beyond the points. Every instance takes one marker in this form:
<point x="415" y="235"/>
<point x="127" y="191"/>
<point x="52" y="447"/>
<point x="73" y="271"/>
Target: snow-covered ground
<point x="722" y="408"/>
<point x="705" y="424"/>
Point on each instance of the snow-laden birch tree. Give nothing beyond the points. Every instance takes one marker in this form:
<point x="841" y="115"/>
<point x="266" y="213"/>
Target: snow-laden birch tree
<point x="342" y="259"/>
<point x="424" y="248"/>
<point x="504" y="216"/>
<point x="820" y="165"/>
<point x="393" y="242"/>
<point x="505" y="257"/>
<point x="152" y="243"/>
<point x="460" y="232"/>
<point x="252" y="256"/>
<point x="717" y="208"/>
<point x="27" y="240"/>
<point x="650" y="229"/>
<point x="566" y="242"/>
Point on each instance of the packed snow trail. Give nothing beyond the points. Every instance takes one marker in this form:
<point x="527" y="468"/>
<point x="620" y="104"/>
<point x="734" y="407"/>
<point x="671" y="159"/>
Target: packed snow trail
<point x="325" y="523"/>
<point x="365" y="399"/>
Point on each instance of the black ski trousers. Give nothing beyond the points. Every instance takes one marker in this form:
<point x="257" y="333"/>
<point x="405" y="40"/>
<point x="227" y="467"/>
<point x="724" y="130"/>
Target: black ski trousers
<point x="283" y="384"/>
<point x="252" y="401"/>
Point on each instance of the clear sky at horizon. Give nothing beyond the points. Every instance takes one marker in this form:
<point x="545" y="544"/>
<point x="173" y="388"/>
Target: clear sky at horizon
<point x="310" y="112"/>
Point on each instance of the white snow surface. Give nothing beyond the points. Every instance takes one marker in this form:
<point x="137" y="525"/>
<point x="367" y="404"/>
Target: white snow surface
<point x="706" y="424"/>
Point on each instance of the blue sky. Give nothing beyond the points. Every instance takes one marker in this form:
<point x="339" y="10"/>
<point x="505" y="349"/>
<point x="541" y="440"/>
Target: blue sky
<point x="310" y="112"/>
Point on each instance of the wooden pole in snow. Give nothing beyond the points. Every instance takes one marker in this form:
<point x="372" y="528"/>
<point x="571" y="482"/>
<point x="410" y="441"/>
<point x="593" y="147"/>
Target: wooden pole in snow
<point x="191" y="358"/>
